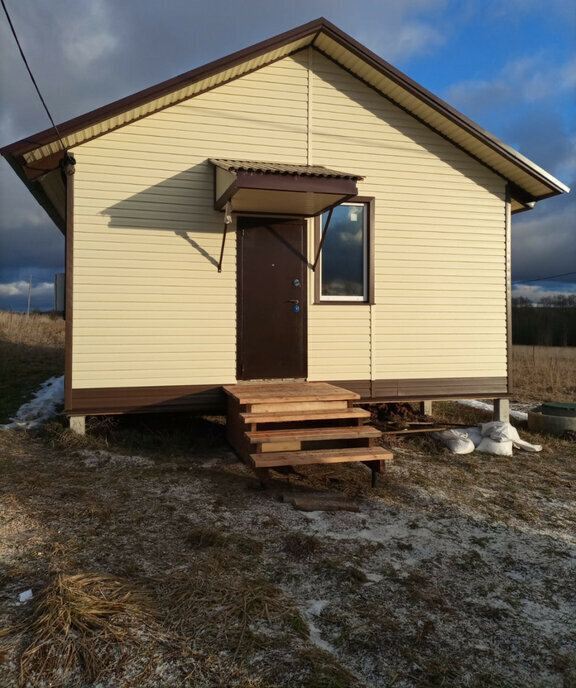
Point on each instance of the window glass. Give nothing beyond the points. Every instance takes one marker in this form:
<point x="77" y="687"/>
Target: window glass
<point x="343" y="258"/>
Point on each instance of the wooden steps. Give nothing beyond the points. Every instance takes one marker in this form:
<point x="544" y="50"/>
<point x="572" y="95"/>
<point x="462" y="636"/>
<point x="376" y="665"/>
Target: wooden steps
<point x="279" y="392"/>
<point x="313" y="434"/>
<point x="302" y="458"/>
<point x="300" y="423"/>
<point x="291" y="417"/>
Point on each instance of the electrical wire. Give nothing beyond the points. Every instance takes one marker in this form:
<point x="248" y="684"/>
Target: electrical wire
<point x="542" y="279"/>
<point x="32" y="75"/>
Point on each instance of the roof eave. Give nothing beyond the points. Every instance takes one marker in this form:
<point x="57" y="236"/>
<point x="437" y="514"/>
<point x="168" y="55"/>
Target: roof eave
<point x="311" y="30"/>
<point x="36" y="189"/>
<point x="556" y="186"/>
<point x="144" y="96"/>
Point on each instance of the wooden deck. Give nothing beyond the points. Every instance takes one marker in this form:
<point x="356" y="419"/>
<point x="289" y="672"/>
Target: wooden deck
<point x="300" y="423"/>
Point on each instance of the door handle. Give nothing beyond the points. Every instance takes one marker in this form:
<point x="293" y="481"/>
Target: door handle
<point x="293" y="301"/>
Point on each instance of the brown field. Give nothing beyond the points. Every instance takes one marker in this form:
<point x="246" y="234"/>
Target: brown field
<point x="544" y="373"/>
<point x="155" y="560"/>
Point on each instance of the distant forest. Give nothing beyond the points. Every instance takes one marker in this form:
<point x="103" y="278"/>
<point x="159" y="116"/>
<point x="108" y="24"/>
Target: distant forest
<point x="552" y="322"/>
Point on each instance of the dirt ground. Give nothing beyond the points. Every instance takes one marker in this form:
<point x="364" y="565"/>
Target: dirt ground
<point x="456" y="571"/>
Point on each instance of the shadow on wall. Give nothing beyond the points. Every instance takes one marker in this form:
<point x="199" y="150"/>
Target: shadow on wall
<point x="182" y="204"/>
<point x="395" y="117"/>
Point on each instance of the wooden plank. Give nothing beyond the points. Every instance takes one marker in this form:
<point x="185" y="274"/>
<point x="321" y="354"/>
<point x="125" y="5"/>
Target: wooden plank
<point x="324" y="504"/>
<point x="351" y="414"/>
<point x="270" y="407"/>
<point x="289" y="391"/>
<point x="265" y="447"/>
<point x="305" y="458"/>
<point x="313" y="434"/>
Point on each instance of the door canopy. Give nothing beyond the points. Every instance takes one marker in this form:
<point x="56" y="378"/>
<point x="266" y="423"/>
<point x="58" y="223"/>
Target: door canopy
<point x="280" y="189"/>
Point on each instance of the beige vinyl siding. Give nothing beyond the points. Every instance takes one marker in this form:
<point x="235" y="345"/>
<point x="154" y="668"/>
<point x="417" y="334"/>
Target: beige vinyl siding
<point x="440" y="245"/>
<point x="150" y="307"/>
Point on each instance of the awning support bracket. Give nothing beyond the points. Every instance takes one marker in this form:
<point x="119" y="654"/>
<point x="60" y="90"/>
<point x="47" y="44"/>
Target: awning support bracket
<point x="227" y="221"/>
<point x="324" y="231"/>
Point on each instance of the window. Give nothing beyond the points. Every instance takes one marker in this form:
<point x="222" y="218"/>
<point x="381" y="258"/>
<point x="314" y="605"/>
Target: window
<point x="344" y="267"/>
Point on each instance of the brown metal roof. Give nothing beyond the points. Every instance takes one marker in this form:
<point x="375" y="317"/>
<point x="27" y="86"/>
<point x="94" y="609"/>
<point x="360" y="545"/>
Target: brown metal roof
<point x="282" y="169"/>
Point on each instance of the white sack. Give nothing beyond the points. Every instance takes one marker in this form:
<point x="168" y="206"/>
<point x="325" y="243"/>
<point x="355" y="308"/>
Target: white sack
<point x="505" y="432"/>
<point x="491" y="438"/>
<point x="474" y="434"/>
<point x="497" y="447"/>
<point x="456" y="440"/>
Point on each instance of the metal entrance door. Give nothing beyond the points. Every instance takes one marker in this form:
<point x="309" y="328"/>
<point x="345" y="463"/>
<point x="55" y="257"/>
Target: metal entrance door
<point x="272" y="297"/>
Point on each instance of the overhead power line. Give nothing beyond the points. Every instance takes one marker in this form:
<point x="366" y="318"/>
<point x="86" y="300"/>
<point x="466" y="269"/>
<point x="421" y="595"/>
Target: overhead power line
<point x="543" y="279"/>
<point x="32" y="75"/>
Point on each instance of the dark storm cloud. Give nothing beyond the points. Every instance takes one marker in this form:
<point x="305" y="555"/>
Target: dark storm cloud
<point x="544" y="241"/>
<point x="533" y="93"/>
<point x="87" y="54"/>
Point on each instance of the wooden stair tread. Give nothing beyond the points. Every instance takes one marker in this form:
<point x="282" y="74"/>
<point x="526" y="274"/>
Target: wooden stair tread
<point x="289" y="417"/>
<point x="289" y="391"/>
<point x="314" y="434"/>
<point x="303" y="458"/>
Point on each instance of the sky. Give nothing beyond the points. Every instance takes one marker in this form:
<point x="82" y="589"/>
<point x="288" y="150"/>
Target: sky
<point x="510" y="65"/>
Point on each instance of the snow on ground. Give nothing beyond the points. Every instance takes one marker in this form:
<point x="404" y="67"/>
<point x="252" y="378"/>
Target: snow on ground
<point x="45" y="404"/>
<point x="485" y="406"/>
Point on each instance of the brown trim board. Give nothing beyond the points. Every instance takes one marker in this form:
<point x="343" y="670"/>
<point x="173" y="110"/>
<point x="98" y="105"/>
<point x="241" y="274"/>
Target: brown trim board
<point x="112" y="400"/>
<point x="508" y="250"/>
<point x="436" y="388"/>
<point x="68" y="171"/>
<point x="211" y="398"/>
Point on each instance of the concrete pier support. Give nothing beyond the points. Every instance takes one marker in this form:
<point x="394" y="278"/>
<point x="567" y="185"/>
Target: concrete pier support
<point x="502" y="410"/>
<point x="426" y="408"/>
<point x="78" y="424"/>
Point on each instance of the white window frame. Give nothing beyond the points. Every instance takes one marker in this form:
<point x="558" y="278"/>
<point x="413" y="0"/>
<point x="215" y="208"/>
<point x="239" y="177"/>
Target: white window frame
<point x="365" y="238"/>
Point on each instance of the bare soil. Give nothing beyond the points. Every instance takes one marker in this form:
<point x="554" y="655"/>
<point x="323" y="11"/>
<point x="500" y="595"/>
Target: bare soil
<point x="456" y="571"/>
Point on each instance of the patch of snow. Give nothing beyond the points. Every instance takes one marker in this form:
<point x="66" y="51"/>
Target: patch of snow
<point x="372" y="577"/>
<point x="313" y="609"/>
<point x="25" y="596"/>
<point x="45" y="405"/>
<point x="485" y="406"/>
<point x="98" y="458"/>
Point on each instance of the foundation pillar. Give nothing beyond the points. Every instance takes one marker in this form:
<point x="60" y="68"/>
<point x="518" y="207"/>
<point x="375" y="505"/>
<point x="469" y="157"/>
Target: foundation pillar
<point x="78" y="424"/>
<point x="502" y="410"/>
<point x="426" y="408"/>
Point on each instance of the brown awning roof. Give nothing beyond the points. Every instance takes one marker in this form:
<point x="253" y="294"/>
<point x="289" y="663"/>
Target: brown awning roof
<point x="281" y="168"/>
<point x="280" y="188"/>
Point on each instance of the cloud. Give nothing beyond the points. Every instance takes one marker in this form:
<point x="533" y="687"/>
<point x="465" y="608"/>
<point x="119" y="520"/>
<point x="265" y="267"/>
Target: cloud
<point x="21" y="289"/>
<point x="524" y="80"/>
<point x="90" y="37"/>
<point x="535" y="293"/>
<point x="14" y="296"/>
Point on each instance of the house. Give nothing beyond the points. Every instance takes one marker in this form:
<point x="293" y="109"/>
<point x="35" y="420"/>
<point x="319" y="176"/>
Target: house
<point x="297" y="210"/>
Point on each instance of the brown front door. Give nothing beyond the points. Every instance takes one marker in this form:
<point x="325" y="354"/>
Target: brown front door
<point x="272" y="297"/>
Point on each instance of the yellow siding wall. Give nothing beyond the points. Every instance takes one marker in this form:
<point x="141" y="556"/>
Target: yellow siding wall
<point x="440" y="245"/>
<point x="149" y="305"/>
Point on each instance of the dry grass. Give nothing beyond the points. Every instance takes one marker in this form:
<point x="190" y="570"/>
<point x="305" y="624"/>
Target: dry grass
<point x="544" y="373"/>
<point x="33" y="330"/>
<point x="200" y="580"/>
<point x="31" y="351"/>
<point x="81" y="626"/>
